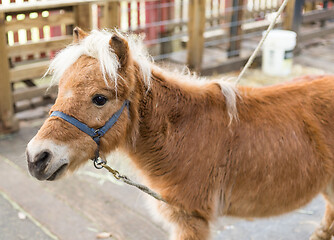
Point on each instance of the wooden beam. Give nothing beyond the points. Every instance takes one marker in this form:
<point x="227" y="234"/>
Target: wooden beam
<point x="66" y="18"/>
<point x="318" y="15"/>
<point x="222" y="35"/>
<point x="43" y="45"/>
<point x="232" y="64"/>
<point x="28" y="71"/>
<point x="32" y="104"/>
<point x="309" y="6"/>
<point x="315" y="33"/>
<point x="8" y="123"/>
<point x="83" y="16"/>
<point x="111" y="15"/>
<point x="103" y="14"/>
<point x="196" y="27"/>
<point x="32" y="92"/>
<point x="44" y="5"/>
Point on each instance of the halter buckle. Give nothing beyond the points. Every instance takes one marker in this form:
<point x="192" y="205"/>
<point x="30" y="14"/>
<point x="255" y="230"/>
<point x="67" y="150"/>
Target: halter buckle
<point x="99" y="162"/>
<point x="96" y="133"/>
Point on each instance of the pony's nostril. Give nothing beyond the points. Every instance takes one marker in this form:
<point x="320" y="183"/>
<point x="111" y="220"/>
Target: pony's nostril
<point x="42" y="159"/>
<point x="43" y="156"/>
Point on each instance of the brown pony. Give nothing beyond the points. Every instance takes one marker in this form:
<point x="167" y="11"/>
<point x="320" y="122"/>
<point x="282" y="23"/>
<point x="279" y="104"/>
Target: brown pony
<point x="209" y="148"/>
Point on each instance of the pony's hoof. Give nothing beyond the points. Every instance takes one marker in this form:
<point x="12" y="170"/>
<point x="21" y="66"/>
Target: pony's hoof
<point x="321" y="234"/>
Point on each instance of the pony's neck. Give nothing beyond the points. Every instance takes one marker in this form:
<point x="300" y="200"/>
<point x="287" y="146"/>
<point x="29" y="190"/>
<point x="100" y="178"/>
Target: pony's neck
<point x="170" y="114"/>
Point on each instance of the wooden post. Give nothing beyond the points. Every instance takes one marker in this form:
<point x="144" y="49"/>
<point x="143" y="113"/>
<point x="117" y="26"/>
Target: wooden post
<point x="293" y="15"/>
<point x="8" y="123"/>
<point x="111" y="15"/>
<point x="310" y="6"/>
<point x="114" y="14"/>
<point x="235" y="29"/>
<point x="289" y="15"/>
<point x="83" y="16"/>
<point x="196" y="27"/>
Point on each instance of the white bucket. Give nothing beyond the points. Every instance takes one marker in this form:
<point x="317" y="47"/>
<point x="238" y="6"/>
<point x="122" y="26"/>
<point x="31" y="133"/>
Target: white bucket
<point x="278" y="52"/>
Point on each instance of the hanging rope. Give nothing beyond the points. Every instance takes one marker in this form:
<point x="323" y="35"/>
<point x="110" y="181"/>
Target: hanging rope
<point x="257" y="49"/>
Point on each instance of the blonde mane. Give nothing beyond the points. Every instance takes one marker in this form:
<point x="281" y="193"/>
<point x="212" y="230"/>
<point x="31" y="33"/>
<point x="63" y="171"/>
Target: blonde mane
<point x="227" y="86"/>
<point x="96" y="45"/>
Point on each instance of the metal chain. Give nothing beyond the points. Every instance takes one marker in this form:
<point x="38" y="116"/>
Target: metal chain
<point x="99" y="163"/>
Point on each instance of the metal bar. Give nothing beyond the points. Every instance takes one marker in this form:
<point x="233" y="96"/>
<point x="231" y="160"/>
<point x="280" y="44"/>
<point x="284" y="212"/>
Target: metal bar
<point x="235" y="30"/>
<point x="325" y="6"/>
<point x="298" y="15"/>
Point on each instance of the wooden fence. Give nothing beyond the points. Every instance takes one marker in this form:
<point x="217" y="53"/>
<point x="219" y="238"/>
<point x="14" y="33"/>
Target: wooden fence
<point x="31" y="34"/>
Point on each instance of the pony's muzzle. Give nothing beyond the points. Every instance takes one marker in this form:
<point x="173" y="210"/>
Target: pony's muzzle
<point x="44" y="164"/>
<point x="38" y="164"/>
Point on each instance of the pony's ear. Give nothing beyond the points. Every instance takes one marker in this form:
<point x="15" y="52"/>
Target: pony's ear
<point x="78" y="34"/>
<point x="121" y="49"/>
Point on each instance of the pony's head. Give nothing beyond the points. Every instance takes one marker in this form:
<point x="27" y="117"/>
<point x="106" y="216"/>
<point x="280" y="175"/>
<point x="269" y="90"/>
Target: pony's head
<point x="96" y="74"/>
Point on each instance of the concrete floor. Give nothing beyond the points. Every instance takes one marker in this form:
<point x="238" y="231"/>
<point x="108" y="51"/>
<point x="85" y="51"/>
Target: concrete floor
<point x="89" y="202"/>
<point x="15" y="225"/>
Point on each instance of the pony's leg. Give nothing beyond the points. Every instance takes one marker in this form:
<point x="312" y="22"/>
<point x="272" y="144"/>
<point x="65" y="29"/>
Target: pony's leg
<point x="188" y="227"/>
<point x="183" y="225"/>
<point x="326" y="229"/>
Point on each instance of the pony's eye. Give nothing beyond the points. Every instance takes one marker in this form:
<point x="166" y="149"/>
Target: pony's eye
<point x="99" y="100"/>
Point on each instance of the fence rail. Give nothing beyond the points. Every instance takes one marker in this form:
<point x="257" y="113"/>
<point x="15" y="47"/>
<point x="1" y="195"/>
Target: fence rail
<point x="31" y="32"/>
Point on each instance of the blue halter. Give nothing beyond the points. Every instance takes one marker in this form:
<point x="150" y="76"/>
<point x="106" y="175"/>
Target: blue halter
<point x="95" y="134"/>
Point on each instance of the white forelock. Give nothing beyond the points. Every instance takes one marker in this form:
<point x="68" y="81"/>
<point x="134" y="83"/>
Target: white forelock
<point x="96" y="45"/>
